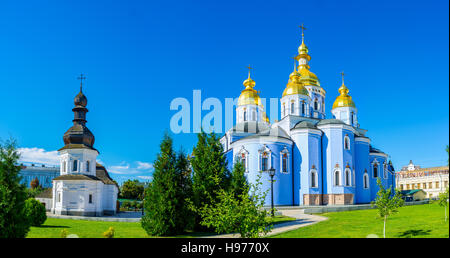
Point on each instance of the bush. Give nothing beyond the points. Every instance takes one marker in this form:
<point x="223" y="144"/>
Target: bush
<point x="64" y="233"/>
<point x="35" y="212"/>
<point x="109" y="233"/>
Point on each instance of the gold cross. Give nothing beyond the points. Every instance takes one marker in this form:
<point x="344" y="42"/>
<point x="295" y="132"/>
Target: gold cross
<point x="303" y="28"/>
<point x="81" y="78"/>
<point x="342" y="73"/>
<point x="249" y="68"/>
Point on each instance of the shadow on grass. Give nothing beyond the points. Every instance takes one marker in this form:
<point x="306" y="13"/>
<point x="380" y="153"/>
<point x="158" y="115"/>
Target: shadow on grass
<point x="415" y="232"/>
<point x="50" y="226"/>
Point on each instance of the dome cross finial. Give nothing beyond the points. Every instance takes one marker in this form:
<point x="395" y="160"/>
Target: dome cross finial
<point x="81" y="78"/>
<point x="342" y="74"/>
<point x="303" y="29"/>
<point x="249" y="68"/>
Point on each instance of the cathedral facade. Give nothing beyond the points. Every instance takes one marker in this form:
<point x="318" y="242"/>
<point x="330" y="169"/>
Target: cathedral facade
<point x="84" y="187"/>
<point x="317" y="161"/>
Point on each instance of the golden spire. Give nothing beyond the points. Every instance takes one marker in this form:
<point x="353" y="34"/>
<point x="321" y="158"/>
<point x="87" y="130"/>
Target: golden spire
<point x="343" y="100"/>
<point x="249" y="96"/>
<point x="249" y="83"/>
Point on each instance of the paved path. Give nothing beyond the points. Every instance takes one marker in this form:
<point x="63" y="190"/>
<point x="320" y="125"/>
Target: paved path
<point x="302" y="220"/>
<point x="127" y="216"/>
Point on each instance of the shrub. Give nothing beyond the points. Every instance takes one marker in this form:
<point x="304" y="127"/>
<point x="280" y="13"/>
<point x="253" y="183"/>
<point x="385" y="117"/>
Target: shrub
<point x="64" y="233"/>
<point x="35" y="212"/>
<point x="109" y="233"/>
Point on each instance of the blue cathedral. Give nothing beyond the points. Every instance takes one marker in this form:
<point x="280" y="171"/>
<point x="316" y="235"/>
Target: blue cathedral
<point x="317" y="161"/>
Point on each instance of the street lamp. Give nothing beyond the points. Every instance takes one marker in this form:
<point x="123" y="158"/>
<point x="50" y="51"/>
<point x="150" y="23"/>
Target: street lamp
<point x="271" y="174"/>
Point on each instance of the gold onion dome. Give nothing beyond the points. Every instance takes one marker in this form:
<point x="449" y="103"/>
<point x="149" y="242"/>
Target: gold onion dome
<point x="295" y="86"/>
<point x="249" y="96"/>
<point x="306" y="76"/>
<point x="343" y="100"/>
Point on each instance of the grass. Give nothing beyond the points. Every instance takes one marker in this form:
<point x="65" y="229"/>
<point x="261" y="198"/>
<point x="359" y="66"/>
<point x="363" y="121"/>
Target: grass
<point x="94" y="229"/>
<point x="416" y="221"/>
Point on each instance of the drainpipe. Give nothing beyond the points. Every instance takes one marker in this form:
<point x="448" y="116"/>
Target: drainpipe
<point x="292" y="171"/>
<point x="321" y="162"/>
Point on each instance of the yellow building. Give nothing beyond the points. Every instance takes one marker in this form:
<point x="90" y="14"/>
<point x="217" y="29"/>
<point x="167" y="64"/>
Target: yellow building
<point x="432" y="181"/>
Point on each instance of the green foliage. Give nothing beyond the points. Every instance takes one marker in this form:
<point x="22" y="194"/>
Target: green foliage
<point x="132" y="189"/>
<point x="64" y="233"/>
<point x="209" y="174"/>
<point x="109" y="233"/>
<point x="13" y="219"/>
<point x="165" y="197"/>
<point x="243" y="214"/>
<point x="32" y="193"/>
<point x="238" y="182"/>
<point x="387" y="203"/>
<point x="35" y="212"/>
<point x="443" y="201"/>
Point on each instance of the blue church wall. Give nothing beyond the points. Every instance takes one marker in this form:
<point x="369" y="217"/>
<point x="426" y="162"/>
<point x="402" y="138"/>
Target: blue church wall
<point x="361" y="164"/>
<point x="373" y="181"/>
<point x="282" y="185"/>
<point x="335" y="156"/>
<point x="310" y="143"/>
<point x="44" y="175"/>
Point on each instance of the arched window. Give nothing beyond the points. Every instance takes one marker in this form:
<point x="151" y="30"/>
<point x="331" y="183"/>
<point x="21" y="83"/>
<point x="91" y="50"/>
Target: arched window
<point x="347" y="177"/>
<point x="243" y="158"/>
<point x="284" y="109"/>
<point x="314" y="179"/>
<point x="63" y="166"/>
<point x="351" y="118"/>
<point x="75" y="165"/>
<point x="87" y="166"/>
<point x="316" y="104"/>
<point x="264" y="161"/>
<point x="245" y="115"/>
<point x="385" y="172"/>
<point x="337" y="178"/>
<point x="346" y="142"/>
<point x="375" y="170"/>
<point x="303" y="108"/>
<point x="366" y="180"/>
<point x="292" y="107"/>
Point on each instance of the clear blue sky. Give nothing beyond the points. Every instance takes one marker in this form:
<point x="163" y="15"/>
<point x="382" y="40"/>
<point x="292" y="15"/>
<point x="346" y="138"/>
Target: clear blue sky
<point x="138" y="56"/>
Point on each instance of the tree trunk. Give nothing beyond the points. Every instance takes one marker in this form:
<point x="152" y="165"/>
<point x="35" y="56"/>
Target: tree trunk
<point x="384" y="227"/>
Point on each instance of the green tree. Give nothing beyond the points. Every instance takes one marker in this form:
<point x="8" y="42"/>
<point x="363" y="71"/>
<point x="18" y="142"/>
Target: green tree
<point x="184" y="193"/>
<point x="443" y="201"/>
<point x="209" y="172"/>
<point x="34" y="183"/>
<point x="132" y="189"/>
<point x="35" y="212"/>
<point x="243" y="214"/>
<point x="387" y="203"/>
<point x="13" y="219"/>
<point x="164" y="194"/>
<point x="238" y="182"/>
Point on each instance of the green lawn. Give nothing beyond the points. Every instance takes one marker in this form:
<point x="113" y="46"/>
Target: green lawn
<point x="419" y="221"/>
<point x="92" y="229"/>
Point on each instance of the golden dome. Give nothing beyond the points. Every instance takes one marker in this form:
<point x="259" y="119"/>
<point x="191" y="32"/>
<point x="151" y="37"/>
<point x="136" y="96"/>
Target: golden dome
<point x="343" y="100"/>
<point x="249" y="96"/>
<point x="295" y="86"/>
<point x="307" y="77"/>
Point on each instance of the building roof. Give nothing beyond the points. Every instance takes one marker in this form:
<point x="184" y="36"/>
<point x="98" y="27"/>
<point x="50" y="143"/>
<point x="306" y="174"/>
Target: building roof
<point x="411" y="192"/>
<point x="250" y="127"/>
<point x="305" y="124"/>
<point x="101" y="174"/>
<point x="330" y="121"/>
<point x="431" y="169"/>
<point x="47" y="193"/>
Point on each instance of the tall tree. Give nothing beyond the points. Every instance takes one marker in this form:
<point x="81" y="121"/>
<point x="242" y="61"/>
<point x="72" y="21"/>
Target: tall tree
<point x="13" y="219"/>
<point x="184" y="186"/>
<point x="132" y="189"/>
<point x="162" y="196"/>
<point x="209" y="172"/>
<point x="238" y="182"/>
<point x="387" y="203"/>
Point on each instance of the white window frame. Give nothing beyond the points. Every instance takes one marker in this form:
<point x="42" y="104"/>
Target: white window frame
<point x="239" y="156"/>
<point x="337" y="170"/>
<point x="316" y="178"/>
<point x="269" y="158"/>
<point x="288" y="167"/>
<point x="349" y="181"/>
<point x="375" y="163"/>
<point x="366" y="179"/>
<point x="346" y="139"/>
<point x="385" y="172"/>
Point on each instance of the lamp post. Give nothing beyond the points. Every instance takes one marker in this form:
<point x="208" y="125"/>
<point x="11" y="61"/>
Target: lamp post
<point x="271" y="174"/>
